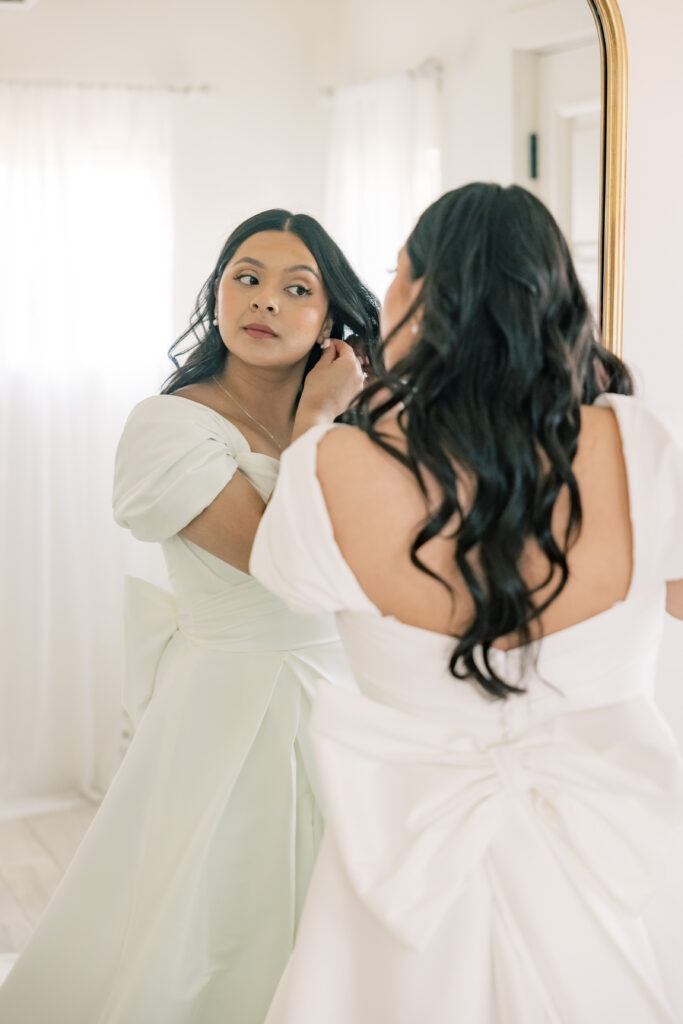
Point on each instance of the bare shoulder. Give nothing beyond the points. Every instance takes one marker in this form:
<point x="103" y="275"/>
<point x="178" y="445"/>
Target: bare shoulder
<point x="358" y="477"/>
<point x="342" y="448"/>
<point x="206" y="393"/>
<point x="348" y="452"/>
<point x="203" y="392"/>
<point x="599" y="419"/>
<point x="600" y="437"/>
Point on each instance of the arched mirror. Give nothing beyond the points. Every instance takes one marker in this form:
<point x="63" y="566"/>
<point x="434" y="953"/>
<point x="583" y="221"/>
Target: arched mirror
<point x="134" y="135"/>
<point x="614" y="74"/>
<point x="525" y="91"/>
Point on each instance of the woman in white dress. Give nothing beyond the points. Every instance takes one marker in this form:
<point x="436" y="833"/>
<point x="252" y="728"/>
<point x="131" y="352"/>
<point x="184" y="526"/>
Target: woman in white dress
<point x="182" y="902"/>
<point x="495" y="539"/>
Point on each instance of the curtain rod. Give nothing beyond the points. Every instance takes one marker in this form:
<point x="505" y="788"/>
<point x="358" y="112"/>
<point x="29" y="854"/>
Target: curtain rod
<point x="203" y="88"/>
<point x="429" y="68"/>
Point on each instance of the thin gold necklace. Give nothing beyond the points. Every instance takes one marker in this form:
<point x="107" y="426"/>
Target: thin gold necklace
<point x="247" y="413"/>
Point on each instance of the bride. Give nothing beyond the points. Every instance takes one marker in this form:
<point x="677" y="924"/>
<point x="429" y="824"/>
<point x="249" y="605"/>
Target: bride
<point x="183" y="900"/>
<point x="497" y="539"/>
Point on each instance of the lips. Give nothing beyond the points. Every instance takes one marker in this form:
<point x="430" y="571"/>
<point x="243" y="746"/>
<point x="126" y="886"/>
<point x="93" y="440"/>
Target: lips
<point x="259" y="331"/>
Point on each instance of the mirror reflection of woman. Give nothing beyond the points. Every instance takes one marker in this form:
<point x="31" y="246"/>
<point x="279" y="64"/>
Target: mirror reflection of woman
<point x="183" y="901"/>
<point x="498" y="537"/>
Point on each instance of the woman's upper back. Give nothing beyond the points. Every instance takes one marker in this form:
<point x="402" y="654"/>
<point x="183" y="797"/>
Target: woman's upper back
<point x="335" y="536"/>
<point x="376" y="509"/>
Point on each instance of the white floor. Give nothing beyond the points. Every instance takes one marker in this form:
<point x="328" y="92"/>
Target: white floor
<point x="34" y="853"/>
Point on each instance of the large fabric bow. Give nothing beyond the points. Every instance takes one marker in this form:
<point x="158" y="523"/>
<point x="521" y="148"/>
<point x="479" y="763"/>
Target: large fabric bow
<point x="413" y="806"/>
<point x="150" y="620"/>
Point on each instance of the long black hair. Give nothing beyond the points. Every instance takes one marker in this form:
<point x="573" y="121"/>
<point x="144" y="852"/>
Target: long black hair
<point x="507" y="352"/>
<point x="353" y="309"/>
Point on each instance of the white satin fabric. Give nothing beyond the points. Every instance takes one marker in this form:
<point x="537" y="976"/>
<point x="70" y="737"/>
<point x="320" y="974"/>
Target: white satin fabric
<point x="485" y="861"/>
<point x="182" y="902"/>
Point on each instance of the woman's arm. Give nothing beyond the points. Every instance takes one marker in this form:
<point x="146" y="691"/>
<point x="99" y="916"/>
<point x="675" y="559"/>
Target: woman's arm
<point x="674" y="598"/>
<point x="227" y="527"/>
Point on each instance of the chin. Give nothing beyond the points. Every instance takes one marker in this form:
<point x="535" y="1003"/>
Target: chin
<point x="268" y="358"/>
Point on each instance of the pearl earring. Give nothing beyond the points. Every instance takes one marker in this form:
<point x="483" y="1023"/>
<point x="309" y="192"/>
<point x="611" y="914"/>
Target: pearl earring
<point x="215" y="321"/>
<point x="414" y="329"/>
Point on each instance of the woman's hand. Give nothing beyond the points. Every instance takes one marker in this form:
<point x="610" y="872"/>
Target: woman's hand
<point x="329" y="387"/>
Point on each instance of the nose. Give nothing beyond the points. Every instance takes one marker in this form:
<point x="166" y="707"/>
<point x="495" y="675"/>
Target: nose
<point x="263" y="302"/>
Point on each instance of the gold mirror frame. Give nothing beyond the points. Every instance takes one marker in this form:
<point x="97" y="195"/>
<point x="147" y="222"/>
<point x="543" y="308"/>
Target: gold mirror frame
<point x="614" y="72"/>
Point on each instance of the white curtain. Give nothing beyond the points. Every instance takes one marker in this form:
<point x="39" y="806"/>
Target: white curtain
<point x="85" y="320"/>
<point x="383" y="167"/>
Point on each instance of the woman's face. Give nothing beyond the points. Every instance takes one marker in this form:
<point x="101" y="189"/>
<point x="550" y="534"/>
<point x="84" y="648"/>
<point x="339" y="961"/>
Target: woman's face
<point x="401" y="294"/>
<point x="270" y="302"/>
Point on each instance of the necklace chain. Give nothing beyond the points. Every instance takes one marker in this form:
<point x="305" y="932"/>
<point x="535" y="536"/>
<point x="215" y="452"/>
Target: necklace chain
<point x="247" y="413"/>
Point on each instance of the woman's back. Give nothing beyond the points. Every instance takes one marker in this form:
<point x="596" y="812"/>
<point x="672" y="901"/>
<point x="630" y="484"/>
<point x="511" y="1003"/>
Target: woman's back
<point x="328" y="542"/>
<point x="376" y="509"/>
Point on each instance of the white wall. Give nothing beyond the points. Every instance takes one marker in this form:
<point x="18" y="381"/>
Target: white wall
<point x="475" y="44"/>
<point x="653" y="324"/>
<point x="653" y="335"/>
<point x="254" y="139"/>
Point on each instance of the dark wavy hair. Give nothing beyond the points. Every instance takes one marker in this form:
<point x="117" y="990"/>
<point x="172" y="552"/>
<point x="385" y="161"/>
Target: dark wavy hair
<point x="353" y="309"/>
<point x="508" y="350"/>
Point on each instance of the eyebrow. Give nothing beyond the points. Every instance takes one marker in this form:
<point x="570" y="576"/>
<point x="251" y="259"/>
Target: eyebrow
<point x="303" y="266"/>
<point x="248" y="259"/>
<point x="288" y="270"/>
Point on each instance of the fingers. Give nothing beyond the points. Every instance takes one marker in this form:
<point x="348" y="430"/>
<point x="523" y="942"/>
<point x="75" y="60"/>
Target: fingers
<point x="336" y="350"/>
<point x="333" y="345"/>
<point x="328" y="354"/>
<point x="341" y="349"/>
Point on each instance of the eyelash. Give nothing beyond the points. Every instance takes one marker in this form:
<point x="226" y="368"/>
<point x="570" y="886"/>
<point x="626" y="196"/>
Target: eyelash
<point x="305" y="291"/>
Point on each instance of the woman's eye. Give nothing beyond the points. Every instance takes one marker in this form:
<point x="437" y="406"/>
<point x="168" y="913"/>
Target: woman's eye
<point x="247" y="279"/>
<point x="298" y="290"/>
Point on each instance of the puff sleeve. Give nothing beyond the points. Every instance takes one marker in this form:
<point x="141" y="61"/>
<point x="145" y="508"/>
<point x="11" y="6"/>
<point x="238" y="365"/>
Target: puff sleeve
<point x="654" y="463"/>
<point x="295" y="554"/>
<point x="173" y="459"/>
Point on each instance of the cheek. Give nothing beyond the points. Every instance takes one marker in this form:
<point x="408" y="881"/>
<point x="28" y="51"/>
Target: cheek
<point x="399" y="346"/>
<point x="226" y="298"/>
<point x="389" y="317"/>
<point x="385" y="318"/>
<point x="308" y="321"/>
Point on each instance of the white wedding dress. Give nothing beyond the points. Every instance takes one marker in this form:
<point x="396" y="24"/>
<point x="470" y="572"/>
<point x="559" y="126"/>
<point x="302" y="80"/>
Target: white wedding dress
<point x="182" y="902"/>
<point x="485" y="861"/>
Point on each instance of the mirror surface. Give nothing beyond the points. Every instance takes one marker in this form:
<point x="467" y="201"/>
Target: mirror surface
<point x="215" y="111"/>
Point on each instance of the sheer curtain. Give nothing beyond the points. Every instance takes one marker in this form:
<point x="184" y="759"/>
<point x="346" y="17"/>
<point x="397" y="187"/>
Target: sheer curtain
<point x="383" y="167"/>
<point x="85" y="320"/>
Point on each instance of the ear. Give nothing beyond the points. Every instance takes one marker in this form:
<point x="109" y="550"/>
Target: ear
<point x="325" y="328"/>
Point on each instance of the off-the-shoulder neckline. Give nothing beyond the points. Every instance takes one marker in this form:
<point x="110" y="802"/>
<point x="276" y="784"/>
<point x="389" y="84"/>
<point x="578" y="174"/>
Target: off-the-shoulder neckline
<point x="317" y="433"/>
<point x="225" y="419"/>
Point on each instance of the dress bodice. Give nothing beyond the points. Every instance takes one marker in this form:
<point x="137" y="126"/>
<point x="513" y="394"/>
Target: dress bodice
<point x="174" y="458"/>
<point x="588" y="665"/>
